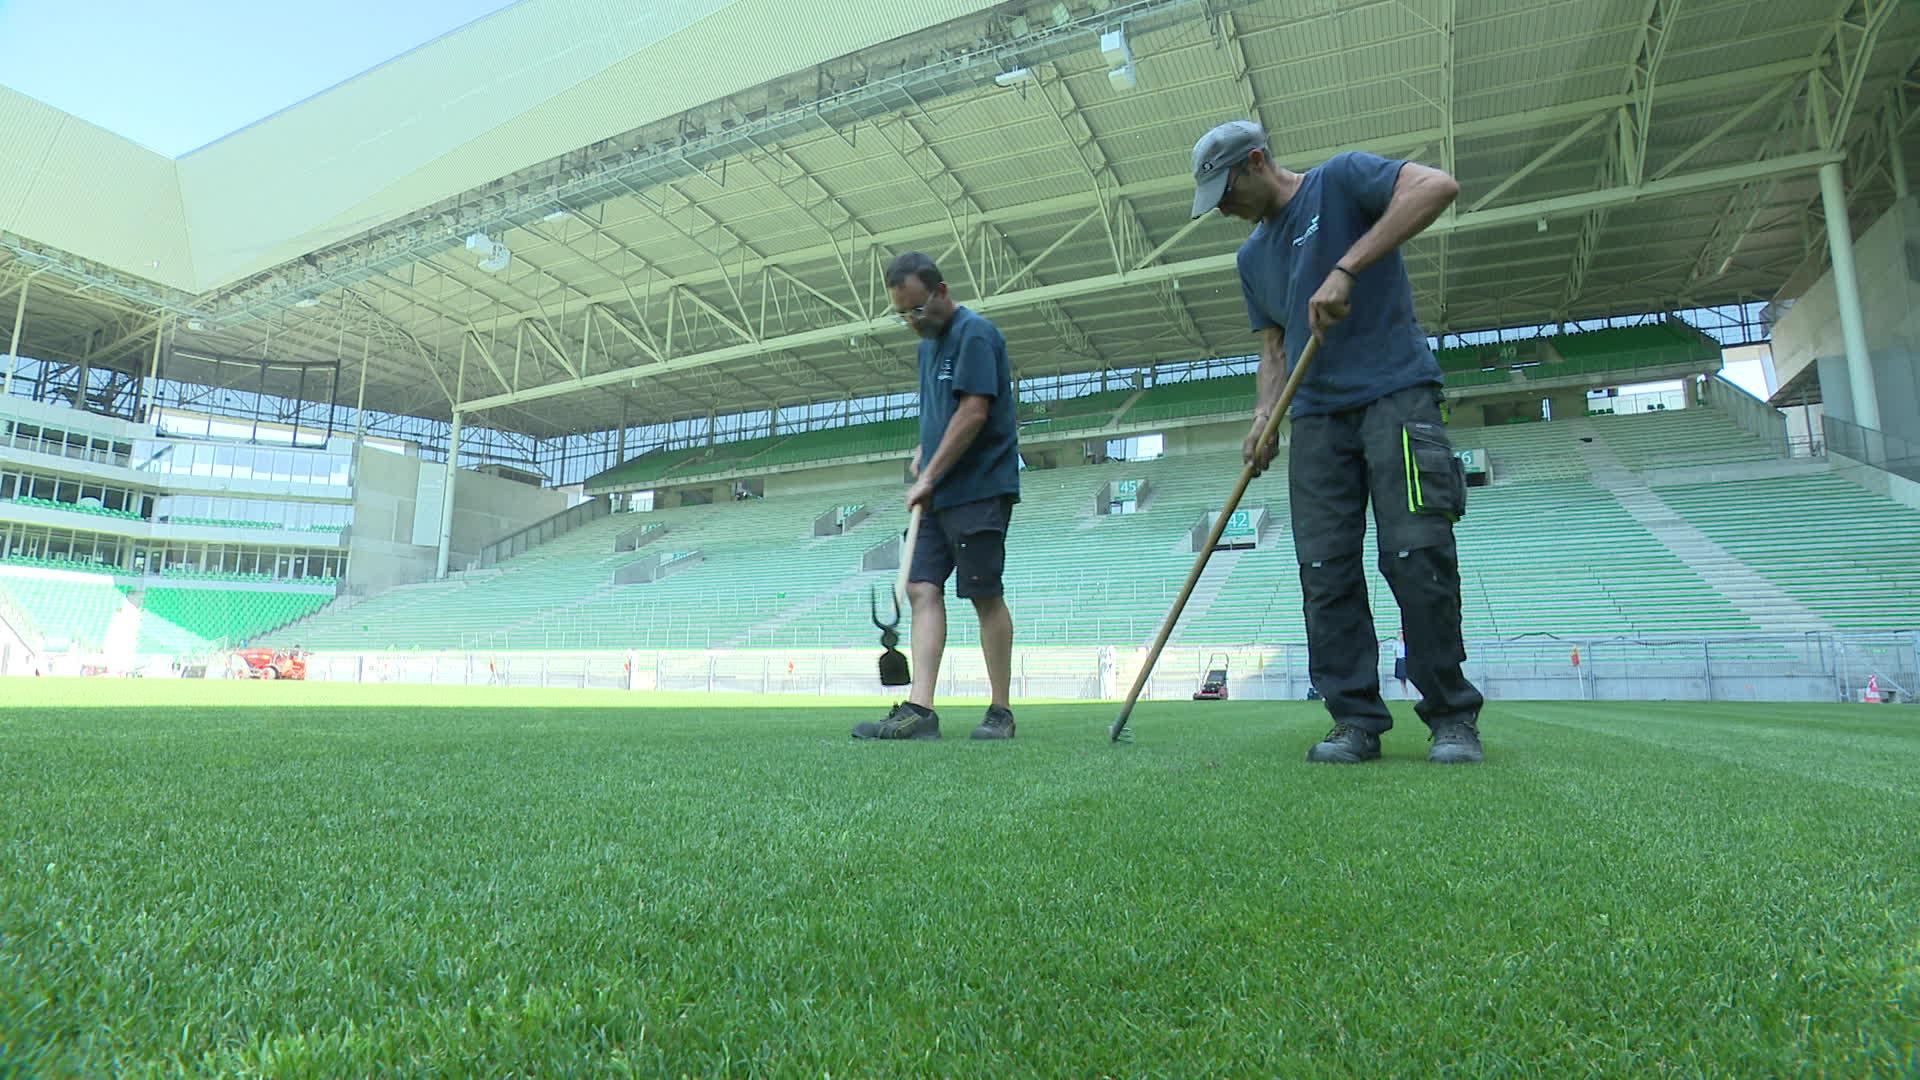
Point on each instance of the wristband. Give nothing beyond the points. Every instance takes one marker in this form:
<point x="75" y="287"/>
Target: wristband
<point x="1346" y="271"/>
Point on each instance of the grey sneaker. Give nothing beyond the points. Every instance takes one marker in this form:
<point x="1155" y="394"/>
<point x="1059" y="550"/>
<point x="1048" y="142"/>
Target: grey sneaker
<point x="1455" y="743"/>
<point x="997" y="725"/>
<point x="1345" y="745"/>
<point x="906" y="721"/>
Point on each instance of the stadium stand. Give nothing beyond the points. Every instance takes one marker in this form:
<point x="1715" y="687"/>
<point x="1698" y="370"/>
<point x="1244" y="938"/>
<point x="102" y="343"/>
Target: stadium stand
<point x="649" y="466"/>
<point x="883" y="437"/>
<point x="76" y="508"/>
<point x="1598" y="352"/>
<point x="1611" y="353"/>
<point x="228" y="616"/>
<point x="1850" y="555"/>
<point x="76" y="606"/>
<point x="1079" y="576"/>
<point x="80" y="566"/>
<point x="184" y="574"/>
<point x="1679" y="439"/>
<point x="1200" y="397"/>
<point x="224" y="523"/>
<point x="66" y="609"/>
<point x="1058" y="416"/>
<point x="1635" y="346"/>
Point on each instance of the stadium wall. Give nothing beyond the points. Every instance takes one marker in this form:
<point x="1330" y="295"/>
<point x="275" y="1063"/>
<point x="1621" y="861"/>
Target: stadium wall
<point x="396" y="505"/>
<point x="1887" y="256"/>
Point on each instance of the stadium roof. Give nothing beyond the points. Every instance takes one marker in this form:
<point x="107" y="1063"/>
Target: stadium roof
<point x="684" y="235"/>
<point x="230" y="63"/>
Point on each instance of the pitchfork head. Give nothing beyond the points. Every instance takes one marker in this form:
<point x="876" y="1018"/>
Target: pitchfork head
<point x="889" y="631"/>
<point x="893" y="663"/>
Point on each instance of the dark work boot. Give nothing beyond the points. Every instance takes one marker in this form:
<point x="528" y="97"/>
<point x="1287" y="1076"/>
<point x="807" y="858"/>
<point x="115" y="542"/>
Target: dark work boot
<point x="1346" y="745"/>
<point x="1455" y="743"/>
<point x="906" y="721"/>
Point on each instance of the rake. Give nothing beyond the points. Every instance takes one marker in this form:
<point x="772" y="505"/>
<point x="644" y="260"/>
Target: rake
<point x="1117" y="732"/>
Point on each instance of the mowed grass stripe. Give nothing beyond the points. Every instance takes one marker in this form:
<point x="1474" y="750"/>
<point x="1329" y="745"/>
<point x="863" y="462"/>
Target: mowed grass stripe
<point x="745" y="891"/>
<point x="1872" y="749"/>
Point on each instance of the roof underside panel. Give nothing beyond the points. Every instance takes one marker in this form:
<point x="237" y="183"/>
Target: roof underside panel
<point x="1056" y="202"/>
<point x="530" y="104"/>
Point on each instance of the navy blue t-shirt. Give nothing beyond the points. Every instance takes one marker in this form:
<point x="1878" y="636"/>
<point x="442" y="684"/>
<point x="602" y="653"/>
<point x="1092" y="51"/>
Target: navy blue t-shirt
<point x="970" y="357"/>
<point x="1378" y="348"/>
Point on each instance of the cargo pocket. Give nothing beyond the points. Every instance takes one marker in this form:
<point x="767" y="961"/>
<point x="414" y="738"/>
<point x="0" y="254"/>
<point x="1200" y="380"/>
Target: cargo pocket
<point x="1436" y="481"/>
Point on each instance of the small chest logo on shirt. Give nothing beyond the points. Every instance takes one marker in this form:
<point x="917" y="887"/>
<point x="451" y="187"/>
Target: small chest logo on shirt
<point x="1313" y="226"/>
<point x="945" y="374"/>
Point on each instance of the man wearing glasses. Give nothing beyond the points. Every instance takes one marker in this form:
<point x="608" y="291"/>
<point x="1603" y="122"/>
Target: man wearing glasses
<point x="1368" y="422"/>
<point x="966" y="476"/>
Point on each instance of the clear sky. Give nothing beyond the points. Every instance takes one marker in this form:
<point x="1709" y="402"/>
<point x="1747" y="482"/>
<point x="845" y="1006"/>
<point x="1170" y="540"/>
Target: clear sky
<point x="174" y="76"/>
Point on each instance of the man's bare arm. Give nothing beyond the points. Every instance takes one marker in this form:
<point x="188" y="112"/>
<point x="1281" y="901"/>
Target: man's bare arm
<point x="1421" y="194"/>
<point x="1270" y="381"/>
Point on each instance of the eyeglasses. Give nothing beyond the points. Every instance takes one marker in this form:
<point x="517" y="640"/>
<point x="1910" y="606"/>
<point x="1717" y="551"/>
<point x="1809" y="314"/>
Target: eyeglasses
<point x="1227" y="192"/>
<point x="908" y="315"/>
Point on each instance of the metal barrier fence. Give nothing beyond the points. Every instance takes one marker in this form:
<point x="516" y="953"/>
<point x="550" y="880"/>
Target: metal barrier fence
<point x="1871" y="446"/>
<point x="547" y="528"/>
<point x="1811" y="667"/>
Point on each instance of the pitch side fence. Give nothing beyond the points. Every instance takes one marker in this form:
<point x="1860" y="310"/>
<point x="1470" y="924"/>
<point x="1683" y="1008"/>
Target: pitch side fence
<point x="1811" y="667"/>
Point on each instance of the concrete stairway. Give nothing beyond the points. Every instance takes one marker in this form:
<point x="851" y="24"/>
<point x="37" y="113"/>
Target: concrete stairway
<point x="1769" y="606"/>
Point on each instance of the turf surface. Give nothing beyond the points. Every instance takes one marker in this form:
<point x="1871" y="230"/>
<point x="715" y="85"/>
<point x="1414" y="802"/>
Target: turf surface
<point x="320" y="880"/>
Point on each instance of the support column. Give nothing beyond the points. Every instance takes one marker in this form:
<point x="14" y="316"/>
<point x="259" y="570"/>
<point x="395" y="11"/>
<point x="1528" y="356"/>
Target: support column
<point x="360" y="398"/>
<point x="13" y="347"/>
<point x="446" y="498"/>
<point x="1846" y="285"/>
<point x="86" y="373"/>
<point x="152" y="386"/>
<point x="1896" y="160"/>
<point x="359" y="419"/>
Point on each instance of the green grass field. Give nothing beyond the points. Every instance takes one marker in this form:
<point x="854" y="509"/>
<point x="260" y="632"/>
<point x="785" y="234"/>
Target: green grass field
<point x="311" y="880"/>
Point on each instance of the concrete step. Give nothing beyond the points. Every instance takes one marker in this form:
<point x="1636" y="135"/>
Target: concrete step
<point x="1727" y="574"/>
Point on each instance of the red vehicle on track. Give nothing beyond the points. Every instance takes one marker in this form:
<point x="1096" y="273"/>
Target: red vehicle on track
<point x="262" y="663"/>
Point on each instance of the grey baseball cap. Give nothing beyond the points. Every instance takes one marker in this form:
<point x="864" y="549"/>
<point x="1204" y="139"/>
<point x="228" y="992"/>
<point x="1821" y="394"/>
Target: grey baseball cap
<point x="1216" y="152"/>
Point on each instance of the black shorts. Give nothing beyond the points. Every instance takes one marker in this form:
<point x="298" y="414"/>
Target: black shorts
<point x="970" y="537"/>
<point x="1338" y="463"/>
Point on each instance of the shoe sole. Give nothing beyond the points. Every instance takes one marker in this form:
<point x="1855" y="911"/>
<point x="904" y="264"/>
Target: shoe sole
<point x="1342" y="759"/>
<point x="1464" y="759"/>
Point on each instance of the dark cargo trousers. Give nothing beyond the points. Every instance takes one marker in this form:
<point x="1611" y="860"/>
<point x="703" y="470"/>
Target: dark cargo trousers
<point x="1393" y="452"/>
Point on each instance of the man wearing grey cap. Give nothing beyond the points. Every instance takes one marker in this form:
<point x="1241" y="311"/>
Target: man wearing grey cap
<point x="1368" y="422"/>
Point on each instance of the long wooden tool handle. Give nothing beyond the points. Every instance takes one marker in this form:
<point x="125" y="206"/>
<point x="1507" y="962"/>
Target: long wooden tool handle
<point x="1219" y="527"/>
<point x="906" y="557"/>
